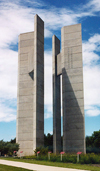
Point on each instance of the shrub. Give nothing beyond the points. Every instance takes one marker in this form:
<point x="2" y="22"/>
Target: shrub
<point x="90" y="159"/>
<point x="43" y="150"/>
<point x="83" y="159"/>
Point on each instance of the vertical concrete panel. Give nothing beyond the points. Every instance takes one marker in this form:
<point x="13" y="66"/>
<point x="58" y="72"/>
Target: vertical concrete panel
<point x="30" y="103"/>
<point x="25" y="94"/>
<point x="72" y="90"/>
<point x="39" y="82"/>
<point x="59" y="66"/>
<point x="56" y="97"/>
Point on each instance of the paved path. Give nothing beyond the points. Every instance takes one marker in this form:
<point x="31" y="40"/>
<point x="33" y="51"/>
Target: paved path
<point x="35" y="167"/>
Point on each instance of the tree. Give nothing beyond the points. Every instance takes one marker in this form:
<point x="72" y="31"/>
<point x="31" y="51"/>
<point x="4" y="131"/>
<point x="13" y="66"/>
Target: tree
<point x="89" y="141"/>
<point x="93" y="142"/>
<point x="13" y="140"/>
<point x="8" y="147"/>
<point x="96" y="139"/>
<point x="48" y="141"/>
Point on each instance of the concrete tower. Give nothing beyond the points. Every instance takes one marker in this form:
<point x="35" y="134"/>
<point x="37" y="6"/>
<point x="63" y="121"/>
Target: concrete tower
<point x="68" y="63"/>
<point x="30" y="103"/>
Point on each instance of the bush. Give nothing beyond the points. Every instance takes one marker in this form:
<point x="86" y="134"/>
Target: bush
<point x="29" y="157"/>
<point x="90" y="159"/>
<point x="68" y="158"/>
<point x="43" y="150"/>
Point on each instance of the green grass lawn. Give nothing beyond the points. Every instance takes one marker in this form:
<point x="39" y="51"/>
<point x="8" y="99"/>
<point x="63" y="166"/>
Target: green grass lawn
<point x="11" y="168"/>
<point x="58" y="164"/>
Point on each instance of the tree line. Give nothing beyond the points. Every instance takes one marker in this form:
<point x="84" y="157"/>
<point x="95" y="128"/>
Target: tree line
<point x="92" y="144"/>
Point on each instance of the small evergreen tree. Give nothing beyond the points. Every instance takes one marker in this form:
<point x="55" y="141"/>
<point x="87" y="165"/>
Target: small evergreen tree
<point x="8" y="147"/>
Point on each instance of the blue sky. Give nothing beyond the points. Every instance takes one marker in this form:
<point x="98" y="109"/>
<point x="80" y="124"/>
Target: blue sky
<point x="18" y="17"/>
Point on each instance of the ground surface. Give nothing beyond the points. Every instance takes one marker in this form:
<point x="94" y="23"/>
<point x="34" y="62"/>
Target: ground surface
<point x="11" y="168"/>
<point x="35" y="166"/>
<point x="92" y="167"/>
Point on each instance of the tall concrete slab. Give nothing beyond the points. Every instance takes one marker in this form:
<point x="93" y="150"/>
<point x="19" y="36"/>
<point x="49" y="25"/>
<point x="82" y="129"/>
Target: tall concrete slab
<point x="72" y="88"/>
<point x="39" y="82"/>
<point x="56" y="97"/>
<point x="30" y="96"/>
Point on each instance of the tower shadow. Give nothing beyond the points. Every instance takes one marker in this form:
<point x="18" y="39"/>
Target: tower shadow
<point x="73" y="112"/>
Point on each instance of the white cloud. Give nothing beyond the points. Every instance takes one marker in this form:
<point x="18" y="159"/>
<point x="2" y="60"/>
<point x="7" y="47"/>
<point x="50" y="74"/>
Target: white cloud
<point x="92" y="85"/>
<point x="8" y="73"/>
<point x="90" y="57"/>
<point x="7" y="114"/>
<point x="48" y="84"/>
<point x="17" y="19"/>
<point x="95" y="39"/>
<point x="94" y="5"/>
<point x="93" y="112"/>
<point x="47" y="114"/>
<point x="89" y="48"/>
<point x="48" y="77"/>
<point x="90" y="9"/>
<point x="91" y="75"/>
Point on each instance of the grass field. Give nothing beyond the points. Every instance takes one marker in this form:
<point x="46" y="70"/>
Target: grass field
<point x="11" y="168"/>
<point x="65" y="165"/>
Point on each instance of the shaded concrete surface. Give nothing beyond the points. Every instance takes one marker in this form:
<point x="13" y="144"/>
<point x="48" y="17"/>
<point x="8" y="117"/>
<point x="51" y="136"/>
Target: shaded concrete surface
<point x="36" y="167"/>
<point x="56" y="97"/>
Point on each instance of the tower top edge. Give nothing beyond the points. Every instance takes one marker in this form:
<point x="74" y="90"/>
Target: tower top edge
<point x="38" y="17"/>
<point x="72" y="25"/>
